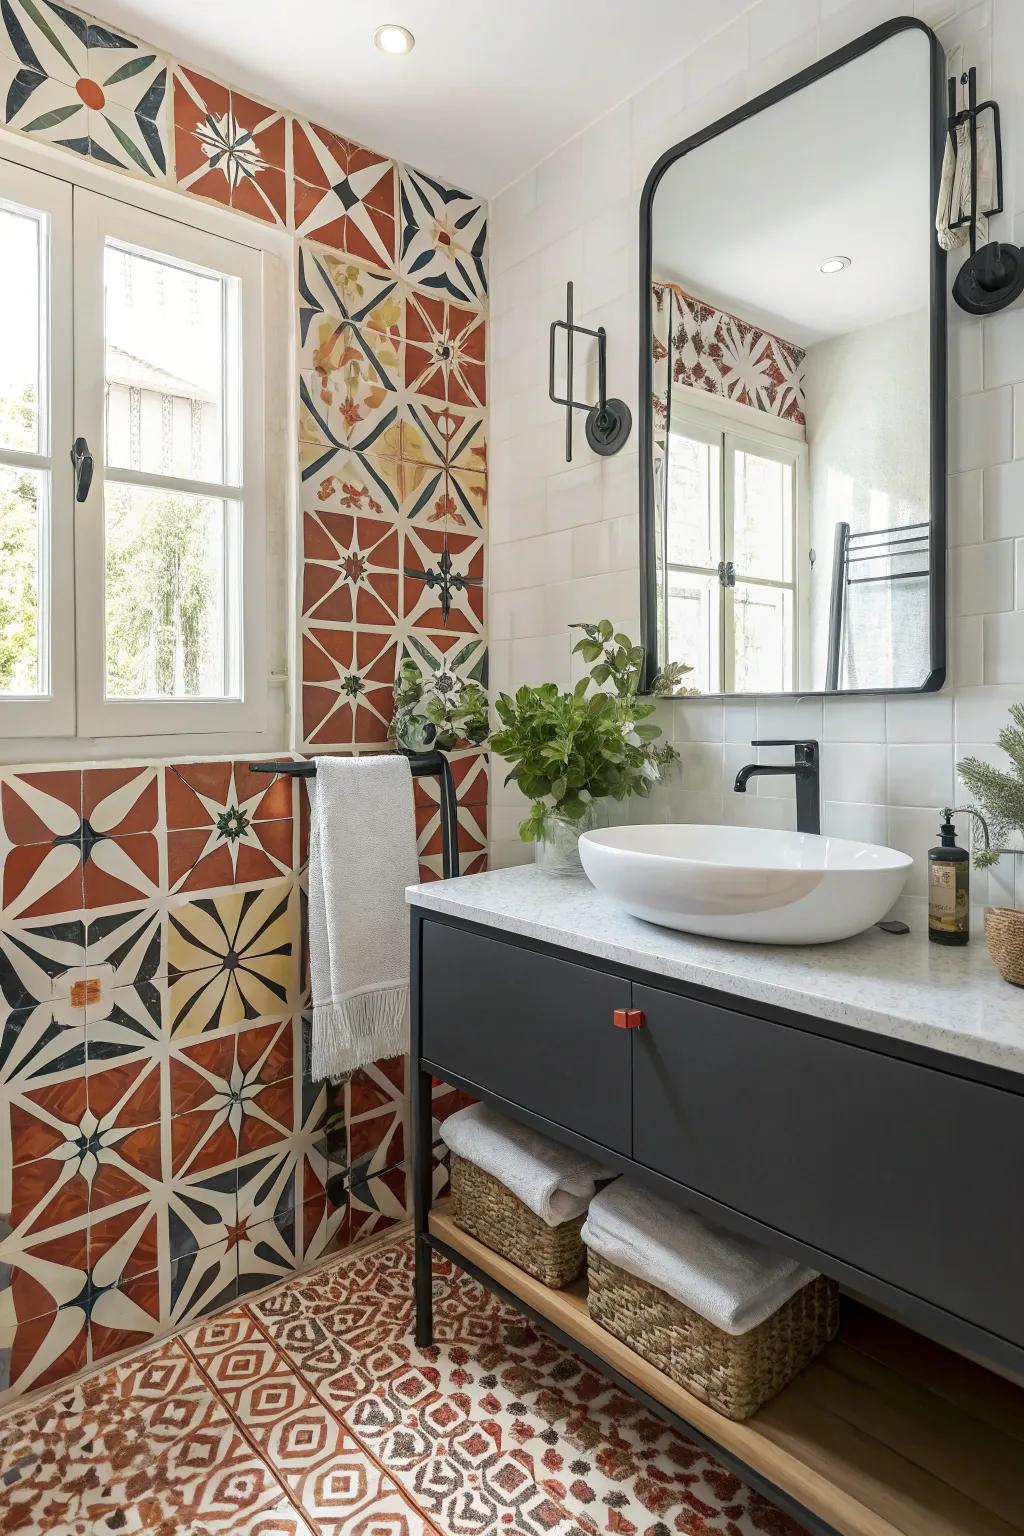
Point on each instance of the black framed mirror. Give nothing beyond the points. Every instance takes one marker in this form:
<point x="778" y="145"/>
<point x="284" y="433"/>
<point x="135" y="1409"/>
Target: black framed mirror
<point x="793" y="384"/>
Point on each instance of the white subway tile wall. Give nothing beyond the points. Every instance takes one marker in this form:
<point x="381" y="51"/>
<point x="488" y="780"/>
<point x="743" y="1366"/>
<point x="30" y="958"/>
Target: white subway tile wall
<point x="564" y="538"/>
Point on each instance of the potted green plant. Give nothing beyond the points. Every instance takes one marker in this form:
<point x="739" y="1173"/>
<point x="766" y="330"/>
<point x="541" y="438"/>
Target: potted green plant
<point x="429" y="717"/>
<point x="1000" y="799"/>
<point x="569" y="750"/>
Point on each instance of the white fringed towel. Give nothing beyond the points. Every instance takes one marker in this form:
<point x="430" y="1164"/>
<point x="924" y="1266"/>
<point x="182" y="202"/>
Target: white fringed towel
<point x="730" y="1281"/>
<point x="362" y="856"/>
<point x="556" y="1183"/>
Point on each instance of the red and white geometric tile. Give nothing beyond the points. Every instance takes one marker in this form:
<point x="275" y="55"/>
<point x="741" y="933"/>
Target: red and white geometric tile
<point x="344" y="195"/>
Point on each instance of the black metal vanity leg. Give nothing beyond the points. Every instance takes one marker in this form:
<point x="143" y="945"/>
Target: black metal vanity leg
<point x="421" y="1088"/>
<point x="422" y="1181"/>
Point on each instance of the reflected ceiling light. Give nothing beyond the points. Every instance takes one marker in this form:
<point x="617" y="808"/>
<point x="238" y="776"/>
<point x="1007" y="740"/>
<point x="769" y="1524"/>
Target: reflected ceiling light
<point x="392" y="39"/>
<point x="835" y="264"/>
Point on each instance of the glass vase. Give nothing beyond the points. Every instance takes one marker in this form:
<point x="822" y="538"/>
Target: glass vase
<point x="556" y="851"/>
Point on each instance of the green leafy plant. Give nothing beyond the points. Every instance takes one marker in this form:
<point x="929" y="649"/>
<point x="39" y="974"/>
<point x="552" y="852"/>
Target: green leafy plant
<point x="569" y="749"/>
<point x="1000" y="794"/>
<point x="427" y="718"/>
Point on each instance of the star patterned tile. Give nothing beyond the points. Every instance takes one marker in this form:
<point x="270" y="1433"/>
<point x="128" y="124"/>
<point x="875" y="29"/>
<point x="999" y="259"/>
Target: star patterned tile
<point x="443" y="238"/>
<point x="345" y="195"/>
<point x="229" y="148"/>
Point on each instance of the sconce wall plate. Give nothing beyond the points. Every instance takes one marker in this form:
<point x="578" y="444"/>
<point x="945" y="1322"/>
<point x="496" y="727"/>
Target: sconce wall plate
<point x="610" y="421"/>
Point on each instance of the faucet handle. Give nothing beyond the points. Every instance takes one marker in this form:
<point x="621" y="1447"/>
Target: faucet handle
<point x="789" y="741"/>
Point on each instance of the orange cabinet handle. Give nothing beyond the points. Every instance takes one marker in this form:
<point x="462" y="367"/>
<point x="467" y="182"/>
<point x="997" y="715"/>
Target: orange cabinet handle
<point x="628" y="1018"/>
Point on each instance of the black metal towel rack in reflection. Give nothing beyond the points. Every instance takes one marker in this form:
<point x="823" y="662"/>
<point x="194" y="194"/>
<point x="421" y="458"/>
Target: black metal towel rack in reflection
<point x="851" y="549"/>
<point x="423" y="765"/>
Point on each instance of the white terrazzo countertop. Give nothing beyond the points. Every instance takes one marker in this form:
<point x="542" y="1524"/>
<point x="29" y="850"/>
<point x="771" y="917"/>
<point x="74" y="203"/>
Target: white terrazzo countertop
<point x="899" y="986"/>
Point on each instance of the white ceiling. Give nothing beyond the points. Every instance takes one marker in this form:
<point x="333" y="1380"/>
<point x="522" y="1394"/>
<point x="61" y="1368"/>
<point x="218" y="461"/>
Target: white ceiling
<point x="490" y="89"/>
<point x="839" y="169"/>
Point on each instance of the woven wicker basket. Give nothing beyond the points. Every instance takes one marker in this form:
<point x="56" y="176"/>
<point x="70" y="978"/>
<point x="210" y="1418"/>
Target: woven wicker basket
<point x="735" y="1375"/>
<point x="1004" y="930"/>
<point x="482" y="1206"/>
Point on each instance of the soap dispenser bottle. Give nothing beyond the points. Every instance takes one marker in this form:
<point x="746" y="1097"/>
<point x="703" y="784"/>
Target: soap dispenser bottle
<point x="949" y="887"/>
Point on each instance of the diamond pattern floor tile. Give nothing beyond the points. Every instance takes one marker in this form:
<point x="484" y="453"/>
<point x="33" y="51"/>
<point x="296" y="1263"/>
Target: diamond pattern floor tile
<point x="310" y="1412"/>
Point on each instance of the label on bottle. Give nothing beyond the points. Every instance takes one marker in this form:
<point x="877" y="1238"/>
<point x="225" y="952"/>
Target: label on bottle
<point x="947" y="898"/>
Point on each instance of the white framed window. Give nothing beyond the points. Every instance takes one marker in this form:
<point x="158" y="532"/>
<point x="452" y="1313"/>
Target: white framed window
<point x="37" y="656"/>
<point x="731" y="539"/>
<point x="150" y="575"/>
<point x="170" y="538"/>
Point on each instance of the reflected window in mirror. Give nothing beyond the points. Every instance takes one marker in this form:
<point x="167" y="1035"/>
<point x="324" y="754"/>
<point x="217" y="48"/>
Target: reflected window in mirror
<point x="795" y="517"/>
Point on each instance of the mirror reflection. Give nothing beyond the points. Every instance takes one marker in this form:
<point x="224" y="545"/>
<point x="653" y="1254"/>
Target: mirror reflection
<point x="792" y="389"/>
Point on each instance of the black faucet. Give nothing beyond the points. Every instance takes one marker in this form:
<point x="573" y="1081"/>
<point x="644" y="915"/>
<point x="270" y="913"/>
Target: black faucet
<point x="804" y="771"/>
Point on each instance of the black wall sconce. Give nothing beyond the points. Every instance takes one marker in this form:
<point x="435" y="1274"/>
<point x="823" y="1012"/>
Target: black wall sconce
<point x="609" y="421"/>
<point x="992" y="278"/>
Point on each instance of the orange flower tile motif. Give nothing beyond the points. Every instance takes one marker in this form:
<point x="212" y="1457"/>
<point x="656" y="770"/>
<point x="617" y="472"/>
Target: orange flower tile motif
<point x="344" y="195"/>
<point x="351" y="570"/>
<point x="41" y="814"/>
<point x="445" y="353"/>
<point x="348" y="682"/>
<point x="229" y="148"/>
<point x="226" y="826"/>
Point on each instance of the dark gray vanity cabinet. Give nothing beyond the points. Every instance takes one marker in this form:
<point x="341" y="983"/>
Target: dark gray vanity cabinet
<point x="522" y="1026"/>
<point x="907" y="1172"/>
<point x="898" y="1170"/>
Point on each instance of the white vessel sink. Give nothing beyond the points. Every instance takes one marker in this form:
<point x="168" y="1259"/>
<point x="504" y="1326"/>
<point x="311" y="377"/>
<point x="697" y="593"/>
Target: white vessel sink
<point x="765" y="887"/>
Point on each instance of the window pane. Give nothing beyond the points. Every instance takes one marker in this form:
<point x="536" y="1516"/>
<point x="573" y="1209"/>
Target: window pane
<point x="20" y="380"/>
<point x="173" y="580"/>
<point x="693" y="501"/>
<point x="172" y="367"/>
<point x="762" y="517"/>
<point x="693" y="627"/>
<point x="763" y="619"/>
<point x="22" y="505"/>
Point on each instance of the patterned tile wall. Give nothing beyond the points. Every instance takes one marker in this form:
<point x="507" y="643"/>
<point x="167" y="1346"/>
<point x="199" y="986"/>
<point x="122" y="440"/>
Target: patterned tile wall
<point x="162" y="1150"/>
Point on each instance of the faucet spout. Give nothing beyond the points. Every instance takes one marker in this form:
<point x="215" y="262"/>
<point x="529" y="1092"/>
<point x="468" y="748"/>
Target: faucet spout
<point x="804" y="772"/>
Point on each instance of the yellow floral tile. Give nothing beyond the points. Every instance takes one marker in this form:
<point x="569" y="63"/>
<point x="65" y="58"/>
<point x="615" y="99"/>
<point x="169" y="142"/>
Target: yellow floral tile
<point x="233" y="957"/>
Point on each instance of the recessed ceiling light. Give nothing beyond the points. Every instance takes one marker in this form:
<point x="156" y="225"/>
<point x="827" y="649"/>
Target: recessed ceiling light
<point x="392" y="39"/>
<point x="835" y="264"/>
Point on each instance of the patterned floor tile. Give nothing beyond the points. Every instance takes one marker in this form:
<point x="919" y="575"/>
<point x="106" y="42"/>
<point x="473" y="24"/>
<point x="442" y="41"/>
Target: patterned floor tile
<point x="310" y="1412"/>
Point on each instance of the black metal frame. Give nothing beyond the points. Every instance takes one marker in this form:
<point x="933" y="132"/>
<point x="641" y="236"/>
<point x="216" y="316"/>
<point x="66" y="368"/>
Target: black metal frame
<point x="937" y="290"/>
<point x="422" y="765"/>
<point x="887" y="545"/>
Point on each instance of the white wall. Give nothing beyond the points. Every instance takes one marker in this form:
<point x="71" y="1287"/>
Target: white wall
<point x="564" y="538"/>
<point x="866" y="402"/>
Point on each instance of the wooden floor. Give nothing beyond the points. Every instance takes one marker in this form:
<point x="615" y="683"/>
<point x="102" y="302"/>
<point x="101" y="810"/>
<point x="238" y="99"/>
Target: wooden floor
<point x="886" y="1434"/>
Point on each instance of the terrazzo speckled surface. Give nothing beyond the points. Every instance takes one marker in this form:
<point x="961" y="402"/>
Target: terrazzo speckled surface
<point x="901" y="987"/>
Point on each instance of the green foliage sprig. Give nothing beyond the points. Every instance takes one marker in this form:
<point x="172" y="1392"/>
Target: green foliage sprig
<point x="570" y="749"/>
<point x="439" y="720"/>
<point x="1000" y="794"/>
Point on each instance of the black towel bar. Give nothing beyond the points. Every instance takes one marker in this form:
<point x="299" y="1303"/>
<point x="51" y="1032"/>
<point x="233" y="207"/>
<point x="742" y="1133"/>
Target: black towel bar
<point x="422" y="765"/>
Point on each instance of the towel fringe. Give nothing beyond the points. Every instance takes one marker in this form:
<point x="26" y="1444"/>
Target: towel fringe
<point x="370" y="1026"/>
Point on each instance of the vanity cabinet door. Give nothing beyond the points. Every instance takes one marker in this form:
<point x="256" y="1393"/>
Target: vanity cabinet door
<point x="536" y="1031"/>
<point x="909" y="1173"/>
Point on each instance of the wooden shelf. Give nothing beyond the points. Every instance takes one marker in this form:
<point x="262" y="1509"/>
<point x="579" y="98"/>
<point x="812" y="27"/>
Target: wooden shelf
<point x="886" y="1434"/>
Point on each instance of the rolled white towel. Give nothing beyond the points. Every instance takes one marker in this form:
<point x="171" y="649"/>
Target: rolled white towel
<point x="554" y="1182"/>
<point x="730" y="1281"/>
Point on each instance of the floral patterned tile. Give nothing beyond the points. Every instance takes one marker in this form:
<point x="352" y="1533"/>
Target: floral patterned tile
<point x="233" y="957"/>
<point x="79" y="84"/>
